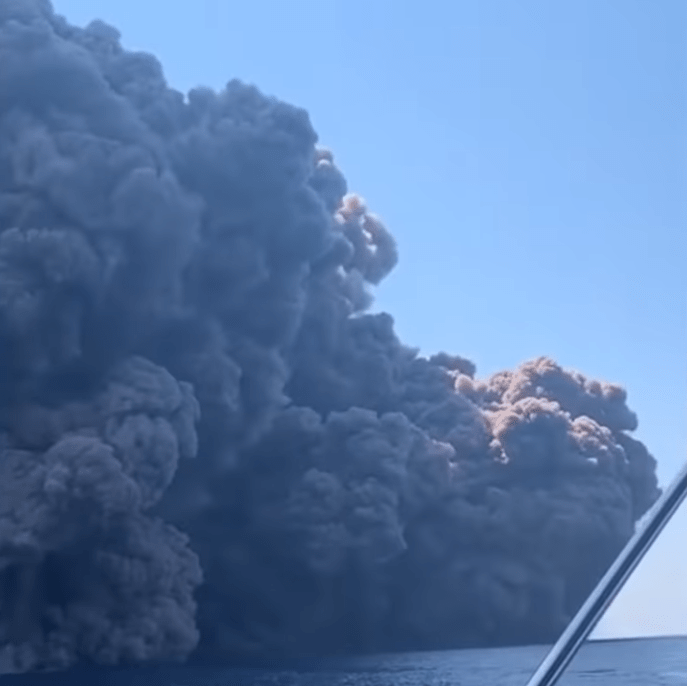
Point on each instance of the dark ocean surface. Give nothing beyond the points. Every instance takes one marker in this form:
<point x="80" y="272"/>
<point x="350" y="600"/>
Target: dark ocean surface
<point x="638" y="662"/>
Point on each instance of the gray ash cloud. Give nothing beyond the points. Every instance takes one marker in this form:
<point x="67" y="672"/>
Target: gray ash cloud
<point x="208" y="446"/>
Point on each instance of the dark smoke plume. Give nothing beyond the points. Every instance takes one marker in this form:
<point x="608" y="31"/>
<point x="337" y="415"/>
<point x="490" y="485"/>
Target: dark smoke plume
<point x="206" y="442"/>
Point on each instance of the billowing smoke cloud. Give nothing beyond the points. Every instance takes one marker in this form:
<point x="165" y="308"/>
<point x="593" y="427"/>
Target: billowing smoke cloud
<point x="206" y="443"/>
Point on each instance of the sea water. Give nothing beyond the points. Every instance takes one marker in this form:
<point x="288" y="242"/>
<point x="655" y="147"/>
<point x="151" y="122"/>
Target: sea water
<point x="636" y="662"/>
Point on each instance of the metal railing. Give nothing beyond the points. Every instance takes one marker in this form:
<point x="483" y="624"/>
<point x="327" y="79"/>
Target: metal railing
<point x="606" y="590"/>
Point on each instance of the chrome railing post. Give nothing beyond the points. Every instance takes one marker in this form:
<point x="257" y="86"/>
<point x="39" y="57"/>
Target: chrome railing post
<point x="602" y="596"/>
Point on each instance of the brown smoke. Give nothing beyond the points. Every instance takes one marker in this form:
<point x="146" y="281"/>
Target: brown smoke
<point x="186" y="348"/>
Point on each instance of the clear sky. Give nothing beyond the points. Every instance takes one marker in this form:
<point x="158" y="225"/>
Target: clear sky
<point x="528" y="155"/>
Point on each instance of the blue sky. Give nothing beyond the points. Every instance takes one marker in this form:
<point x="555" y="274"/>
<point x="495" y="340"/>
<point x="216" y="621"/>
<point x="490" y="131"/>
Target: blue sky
<point x="528" y="156"/>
